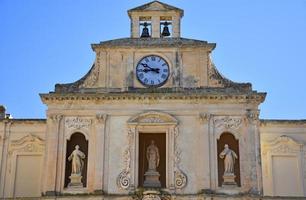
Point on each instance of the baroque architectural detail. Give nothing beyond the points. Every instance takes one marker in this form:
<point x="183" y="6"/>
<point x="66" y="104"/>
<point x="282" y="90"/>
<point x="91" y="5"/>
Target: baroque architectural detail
<point x="282" y="145"/>
<point x="252" y="115"/>
<point x="180" y="177"/>
<point x="92" y="78"/>
<point x="28" y="143"/>
<point x="204" y="117"/>
<point x="56" y="118"/>
<point x="228" y="122"/>
<point x="124" y="178"/>
<point x="152" y="117"/>
<point x="151" y="197"/>
<point x="101" y="118"/>
<point x="77" y="122"/>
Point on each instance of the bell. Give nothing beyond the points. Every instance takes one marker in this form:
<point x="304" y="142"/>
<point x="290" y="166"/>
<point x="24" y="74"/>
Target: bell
<point x="165" y="30"/>
<point x="145" y="31"/>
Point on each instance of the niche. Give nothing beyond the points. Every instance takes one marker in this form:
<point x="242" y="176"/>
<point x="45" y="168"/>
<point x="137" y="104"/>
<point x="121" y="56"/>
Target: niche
<point x="80" y="140"/>
<point x="230" y="140"/>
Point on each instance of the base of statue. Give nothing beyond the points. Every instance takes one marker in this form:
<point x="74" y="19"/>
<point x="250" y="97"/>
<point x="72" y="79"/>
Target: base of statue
<point x="75" y="181"/>
<point x="152" y="179"/>
<point x="151" y="195"/>
<point x="229" y="179"/>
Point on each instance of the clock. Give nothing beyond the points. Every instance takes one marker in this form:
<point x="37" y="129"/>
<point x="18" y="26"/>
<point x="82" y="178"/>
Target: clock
<point x="152" y="71"/>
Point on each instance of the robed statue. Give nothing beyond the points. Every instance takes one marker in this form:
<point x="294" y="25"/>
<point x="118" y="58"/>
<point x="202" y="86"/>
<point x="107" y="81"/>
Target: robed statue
<point x="229" y="157"/>
<point x="152" y="175"/>
<point x="152" y="156"/>
<point x="77" y="157"/>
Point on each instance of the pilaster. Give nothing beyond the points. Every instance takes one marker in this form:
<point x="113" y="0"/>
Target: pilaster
<point x="99" y="147"/>
<point x="51" y="156"/>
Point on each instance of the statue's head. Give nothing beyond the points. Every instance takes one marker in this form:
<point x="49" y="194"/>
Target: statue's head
<point x="152" y="142"/>
<point x="77" y="147"/>
<point x="226" y="146"/>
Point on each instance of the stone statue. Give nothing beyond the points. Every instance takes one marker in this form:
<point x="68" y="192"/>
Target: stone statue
<point x="77" y="157"/>
<point x="152" y="156"/>
<point x="229" y="157"/>
<point x="152" y="175"/>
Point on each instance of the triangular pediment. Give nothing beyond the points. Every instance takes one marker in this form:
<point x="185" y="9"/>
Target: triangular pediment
<point x="155" y="6"/>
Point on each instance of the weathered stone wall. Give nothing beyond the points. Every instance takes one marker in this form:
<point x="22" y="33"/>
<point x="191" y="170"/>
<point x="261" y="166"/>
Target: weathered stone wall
<point x="22" y="145"/>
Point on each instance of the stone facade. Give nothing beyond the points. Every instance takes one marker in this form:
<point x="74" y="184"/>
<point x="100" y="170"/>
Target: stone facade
<point x="197" y="111"/>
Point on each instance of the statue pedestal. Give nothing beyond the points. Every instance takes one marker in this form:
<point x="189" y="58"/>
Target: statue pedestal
<point x="152" y="179"/>
<point x="151" y="195"/>
<point x="75" y="181"/>
<point x="229" y="179"/>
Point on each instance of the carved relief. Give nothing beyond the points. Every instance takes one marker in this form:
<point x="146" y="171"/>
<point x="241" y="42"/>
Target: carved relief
<point x="253" y="115"/>
<point x="227" y="122"/>
<point x="282" y="145"/>
<point x="204" y="117"/>
<point x="56" y="118"/>
<point x="180" y="177"/>
<point x="124" y="178"/>
<point x="152" y="117"/>
<point x="92" y="78"/>
<point x="101" y="118"/>
<point x="28" y="143"/>
<point x="77" y="123"/>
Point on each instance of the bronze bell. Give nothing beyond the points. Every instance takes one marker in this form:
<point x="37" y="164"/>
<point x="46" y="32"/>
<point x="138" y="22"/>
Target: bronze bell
<point x="166" y="30"/>
<point x="145" y="31"/>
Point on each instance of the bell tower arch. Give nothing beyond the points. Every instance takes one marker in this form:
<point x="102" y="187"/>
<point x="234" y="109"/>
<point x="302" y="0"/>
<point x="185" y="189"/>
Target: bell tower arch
<point x="155" y="20"/>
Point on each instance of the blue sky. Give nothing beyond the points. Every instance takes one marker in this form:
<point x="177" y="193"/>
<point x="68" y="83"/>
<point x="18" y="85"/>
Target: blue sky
<point x="47" y="42"/>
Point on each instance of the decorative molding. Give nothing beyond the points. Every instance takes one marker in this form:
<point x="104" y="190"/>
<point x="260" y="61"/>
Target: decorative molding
<point x="153" y="117"/>
<point x="252" y="115"/>
<point x="204" y="117"/>
<point x="228" y="123"/>
<point x="282" y="145"/>
<point x="180" y="177"/>
<point x="147" y="97"/>
<point x="28" y="143"/>
<point x="101" y="118"/>
<point x="124" y="178"/>
<point x="151" y="197"/>
<point x="56" y="118"/>
<point x="92" y="79"/>
<point x="77" y="122"/>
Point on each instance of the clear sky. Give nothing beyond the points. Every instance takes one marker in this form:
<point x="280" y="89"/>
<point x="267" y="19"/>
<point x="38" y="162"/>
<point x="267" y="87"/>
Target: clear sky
<point x="47" y="42"/>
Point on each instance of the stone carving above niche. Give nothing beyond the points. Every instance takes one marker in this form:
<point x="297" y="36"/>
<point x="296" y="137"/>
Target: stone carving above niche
<point x="77" y="123"/>
<point x="227" y="122"/>
<point x="153" y="117"/>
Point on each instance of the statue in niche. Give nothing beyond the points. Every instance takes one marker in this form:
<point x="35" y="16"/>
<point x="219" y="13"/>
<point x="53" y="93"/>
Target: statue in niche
<point x="152" y="175"/>
<point x="152" y="156"/>
<point x="229" y="157"/>
<point x="77" y="157"/>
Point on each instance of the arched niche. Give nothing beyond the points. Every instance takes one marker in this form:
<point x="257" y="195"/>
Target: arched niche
<point x="233" y="143"/>
<point x="80" y="139"/>
<point x="145" y="124"/>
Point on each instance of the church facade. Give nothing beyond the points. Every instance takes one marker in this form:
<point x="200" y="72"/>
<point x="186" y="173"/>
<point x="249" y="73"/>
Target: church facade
<point x="153" y="119"/>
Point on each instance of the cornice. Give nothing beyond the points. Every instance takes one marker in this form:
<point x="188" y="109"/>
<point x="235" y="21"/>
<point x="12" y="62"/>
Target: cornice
<point x="252" y="97"/>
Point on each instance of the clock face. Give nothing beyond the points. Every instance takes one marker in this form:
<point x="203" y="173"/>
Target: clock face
<point x="152" y="71"/>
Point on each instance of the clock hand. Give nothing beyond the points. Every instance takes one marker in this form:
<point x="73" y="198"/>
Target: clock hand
<point x="143" y="70"/>
<point x="148" y="68"/>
